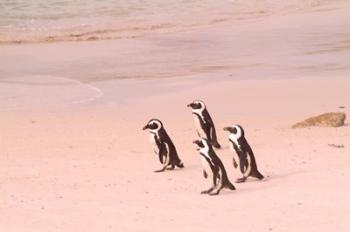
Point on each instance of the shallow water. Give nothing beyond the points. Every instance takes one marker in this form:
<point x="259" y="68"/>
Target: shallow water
<point x="67" y="20"/>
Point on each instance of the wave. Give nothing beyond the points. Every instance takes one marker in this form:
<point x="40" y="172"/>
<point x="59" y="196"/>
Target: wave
<point x="63" y="20"/>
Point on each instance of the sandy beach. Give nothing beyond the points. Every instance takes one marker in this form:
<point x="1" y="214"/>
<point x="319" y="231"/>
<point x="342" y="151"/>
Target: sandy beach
<point x="73" y="156"/>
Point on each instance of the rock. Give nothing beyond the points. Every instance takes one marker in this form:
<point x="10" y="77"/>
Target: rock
<point x="325" y="120"/>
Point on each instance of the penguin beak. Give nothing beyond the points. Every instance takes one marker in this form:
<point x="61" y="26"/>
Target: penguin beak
<point x="227" y="128"/>
<point x="190" y="105"/>
<point x="145" y="127"/>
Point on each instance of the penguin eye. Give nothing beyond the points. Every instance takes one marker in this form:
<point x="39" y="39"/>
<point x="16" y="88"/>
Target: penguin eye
<point x="155" y="126"/>
<point x="197" y="105"/>
<point x="234" y="130"/>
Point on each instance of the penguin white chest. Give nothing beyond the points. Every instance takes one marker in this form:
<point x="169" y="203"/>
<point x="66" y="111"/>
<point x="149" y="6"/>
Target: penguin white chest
<point x="206" y="167"/>
<point x="198" y="126"/>
<point x="152" y="139"/>
<point x="234" y="152"/>
<point x="232" y="147"/>
<point x="235" y="141"/>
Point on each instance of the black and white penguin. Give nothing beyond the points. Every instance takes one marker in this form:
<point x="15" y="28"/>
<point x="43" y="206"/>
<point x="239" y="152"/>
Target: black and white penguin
<point x="244" y="152"/>
<point x="163" y="146"/>
<point x="212" y="168"/>
<point x="203" y="122"/>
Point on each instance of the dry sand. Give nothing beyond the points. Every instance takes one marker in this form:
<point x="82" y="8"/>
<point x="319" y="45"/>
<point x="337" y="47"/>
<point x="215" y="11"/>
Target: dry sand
<point x="92" y="169"/>
<point x="73" y="156"/>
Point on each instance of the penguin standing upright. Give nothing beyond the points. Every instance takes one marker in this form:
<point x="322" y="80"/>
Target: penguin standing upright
<point x="246" y="158"/>
<point x="213" y="167"/>
<point x="203" y="122"/>
<point x="163" y="146"/>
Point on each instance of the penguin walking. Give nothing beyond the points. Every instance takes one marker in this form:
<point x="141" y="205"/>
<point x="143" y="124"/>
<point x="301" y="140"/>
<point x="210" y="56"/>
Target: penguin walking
<point x="212" y="168"/>
<point x="203" y="122"/>
<point x="163" y="146"/>
<point x="246" y="158"/>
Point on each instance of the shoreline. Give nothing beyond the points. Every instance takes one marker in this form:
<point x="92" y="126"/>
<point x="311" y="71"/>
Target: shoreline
<point x="131" y="97"/>
<point x="279" y="46"/>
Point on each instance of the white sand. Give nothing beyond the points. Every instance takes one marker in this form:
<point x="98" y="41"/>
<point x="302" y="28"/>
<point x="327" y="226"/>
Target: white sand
<point x="67" y="164"/>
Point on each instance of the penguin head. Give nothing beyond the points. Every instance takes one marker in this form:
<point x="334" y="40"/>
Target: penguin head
<point x="236" y="131"/>
<point x="154" y="125"/>
<point x="202" y="144"/>
<point x="197" y="105"/>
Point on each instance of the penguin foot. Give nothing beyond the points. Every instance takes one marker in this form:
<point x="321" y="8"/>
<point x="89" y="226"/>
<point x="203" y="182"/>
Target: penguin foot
<point x="170" y="168"/>
<point x="241" y="180"/>
<point x="160" y="170"/>
<point x="214" y="193"/>
<point x="207" y="191"/>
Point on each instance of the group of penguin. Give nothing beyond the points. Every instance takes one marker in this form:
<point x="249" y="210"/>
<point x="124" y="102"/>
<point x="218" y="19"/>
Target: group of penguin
<point x="213" y="168"/>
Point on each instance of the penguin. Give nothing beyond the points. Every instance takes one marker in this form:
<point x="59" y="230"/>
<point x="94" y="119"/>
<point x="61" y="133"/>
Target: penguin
<point x="163" y="146"/>
<point x="213" y="168"/>
<point x="244" y="152"/>
<point x="203" y="122"/>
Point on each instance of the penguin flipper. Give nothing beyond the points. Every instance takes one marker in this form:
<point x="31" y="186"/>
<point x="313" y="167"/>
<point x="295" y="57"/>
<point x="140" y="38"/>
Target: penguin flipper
<point x="214" y="139"/>
<point x="241" y="180"/>
<point x="161" y="158"/>
<point x="242" y="163"/>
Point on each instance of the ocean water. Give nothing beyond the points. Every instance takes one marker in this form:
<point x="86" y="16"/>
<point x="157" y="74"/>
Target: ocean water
<point x="24" y="21"/>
